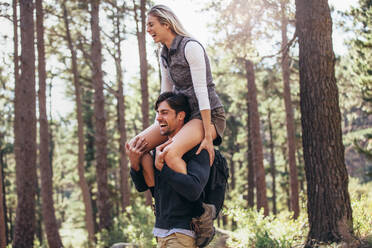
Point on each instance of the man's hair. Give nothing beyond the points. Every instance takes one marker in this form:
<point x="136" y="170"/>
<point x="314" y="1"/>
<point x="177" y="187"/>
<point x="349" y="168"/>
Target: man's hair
<point x="176" y="101"/>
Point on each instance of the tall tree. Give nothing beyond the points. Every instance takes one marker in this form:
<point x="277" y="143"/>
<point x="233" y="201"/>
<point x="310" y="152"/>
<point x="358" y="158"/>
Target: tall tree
<point x="272" y="160"/>
<point x="15" y="42"/>
<point x="89" y="223"/>
<point x="141" y="39"/>
<point x="25" y="132"/>
<point x="117" y="38"/>
<point x="256" y="140"/>
<point x="3" y="239"/>
<point x="251" y="171"/>
<point x="239" y="20"/>
<point x="289" y="112"/>
<point x="4" y="230"/>
<point x="329" y="210"/>
<point x="46" y="173"/>
<point x="103" y="198"/>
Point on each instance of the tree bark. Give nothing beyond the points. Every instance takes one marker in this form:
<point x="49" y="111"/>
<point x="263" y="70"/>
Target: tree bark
<point x="143" y="66"/>
<point x="89" y="223"/>
<point x="124" y="171"/>
<point x="289" y="116"/>
<point x="25" y="132"/>
<point x="251" y="172"/>
<point x="272" y="161"/>
<point x="141" y="38"/>
<point x="103" y="197"/>
<point x="4" y="230"/>
<point x="46" y="174"/>
<point x="285" y="185"/>
<point x="329" y="210"/>
<point x="257" y="153"/>
<point x="15" y="40"/>
<point x="3" y="239"/>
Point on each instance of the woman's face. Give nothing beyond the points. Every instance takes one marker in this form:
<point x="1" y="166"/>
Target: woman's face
<point x="159" y="32"/>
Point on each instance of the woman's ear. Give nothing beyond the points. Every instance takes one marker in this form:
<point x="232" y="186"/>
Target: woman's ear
<point x="166" y="25"/>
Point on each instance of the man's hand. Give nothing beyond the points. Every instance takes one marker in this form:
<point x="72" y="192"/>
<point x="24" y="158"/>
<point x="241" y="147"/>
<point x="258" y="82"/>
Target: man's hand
<point x="135" y="151"/>
<point x="161" y="151"/>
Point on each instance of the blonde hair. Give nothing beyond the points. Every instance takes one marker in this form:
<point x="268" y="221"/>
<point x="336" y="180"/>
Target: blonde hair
<point x="166" y="16"/>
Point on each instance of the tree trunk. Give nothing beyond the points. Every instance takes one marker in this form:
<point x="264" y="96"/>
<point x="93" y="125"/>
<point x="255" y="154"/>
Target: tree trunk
<point x="3" y="240"/>
<point x="15" y="40"/>
<point x="4" y="230"/>
<point x="257" y="153"/>
<point x="124" y="171"/>
<point x="89" y="223"/>
<point x="251" y="174"/>
<point x="103" y="197"/>
<point x="286" y="184"/>
<point x="89" y="138"/>
<point x="143" y="66"/>
<point x="289" y="116"/>
<point x="329" y="210"/>
<point x="46" y="174"/>
<point x="301" y="170"/>
<point x="25" y="132"/>
<point x="141" y="38"/>
<point x="272" y="161"/>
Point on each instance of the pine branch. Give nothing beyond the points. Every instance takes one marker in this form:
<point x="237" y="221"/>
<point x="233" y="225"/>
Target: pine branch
<point x="284" y="49"/>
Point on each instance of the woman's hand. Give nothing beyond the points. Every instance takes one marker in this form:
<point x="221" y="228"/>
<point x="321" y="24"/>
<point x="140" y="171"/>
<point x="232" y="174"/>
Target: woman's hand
<point x="207" y="144"/>
<point x="161" y="151"/>
<point x="134" y="151"/>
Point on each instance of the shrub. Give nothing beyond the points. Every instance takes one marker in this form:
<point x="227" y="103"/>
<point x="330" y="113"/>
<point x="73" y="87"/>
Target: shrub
<point x="134" y="226"/>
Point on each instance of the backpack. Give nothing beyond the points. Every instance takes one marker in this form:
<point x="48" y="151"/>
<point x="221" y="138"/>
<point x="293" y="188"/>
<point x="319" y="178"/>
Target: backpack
<point x="214" y="191"/>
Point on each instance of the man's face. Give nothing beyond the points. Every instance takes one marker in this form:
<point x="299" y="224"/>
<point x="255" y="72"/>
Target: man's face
<point x="168" y="120"/>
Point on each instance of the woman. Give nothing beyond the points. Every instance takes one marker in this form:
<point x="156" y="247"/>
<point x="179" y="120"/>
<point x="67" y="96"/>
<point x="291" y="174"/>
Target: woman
<point x="185" y="68"/>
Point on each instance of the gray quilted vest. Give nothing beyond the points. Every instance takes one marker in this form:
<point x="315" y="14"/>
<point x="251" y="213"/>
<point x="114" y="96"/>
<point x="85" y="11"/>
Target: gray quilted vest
<point x="179" y="73"/>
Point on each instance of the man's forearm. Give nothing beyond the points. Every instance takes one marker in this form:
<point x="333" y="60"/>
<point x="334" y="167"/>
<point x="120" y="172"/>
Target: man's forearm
<point x="138" y="180"/>
<point x="192" y="184"/>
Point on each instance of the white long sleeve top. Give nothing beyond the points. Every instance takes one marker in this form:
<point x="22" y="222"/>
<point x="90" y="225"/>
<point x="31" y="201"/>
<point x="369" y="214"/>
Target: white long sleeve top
<point x="194" y="54"/>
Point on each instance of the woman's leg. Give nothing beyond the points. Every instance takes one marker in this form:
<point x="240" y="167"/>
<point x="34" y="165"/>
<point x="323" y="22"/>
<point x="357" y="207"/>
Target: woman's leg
<point x="152" y="136"/>
<point x="190" y="135"/>
<point x="148" y="169"/>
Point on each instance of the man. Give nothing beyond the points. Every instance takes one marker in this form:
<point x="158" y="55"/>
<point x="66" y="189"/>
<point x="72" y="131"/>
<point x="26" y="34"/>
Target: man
<point x="178" y="197"/>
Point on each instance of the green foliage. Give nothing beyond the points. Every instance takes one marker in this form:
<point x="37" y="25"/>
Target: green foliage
<point x="282" y="231"/>
<point x="361" y="203"/>
<point x="359" y="73"/>
<point x="255" y="230"/>
<point x="134" y="226"/>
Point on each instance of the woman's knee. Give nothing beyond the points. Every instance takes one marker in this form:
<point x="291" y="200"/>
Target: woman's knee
<point x="173" y="159"/>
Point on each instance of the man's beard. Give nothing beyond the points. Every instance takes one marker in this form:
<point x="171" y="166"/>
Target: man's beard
<point x="166" y="132"/>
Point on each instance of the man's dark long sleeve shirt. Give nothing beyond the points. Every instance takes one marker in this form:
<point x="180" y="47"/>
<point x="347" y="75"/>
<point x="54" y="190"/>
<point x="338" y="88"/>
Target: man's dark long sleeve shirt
<point x="178" y="197"/>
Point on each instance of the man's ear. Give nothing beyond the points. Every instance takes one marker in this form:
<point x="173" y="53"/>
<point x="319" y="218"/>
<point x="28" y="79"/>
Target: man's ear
<point x="181" y="115"/>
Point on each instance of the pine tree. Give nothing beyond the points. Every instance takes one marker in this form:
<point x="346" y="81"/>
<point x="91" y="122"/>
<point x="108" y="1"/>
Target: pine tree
<point x="46" y="173"/>
<point x="89" y="223"/>
<point x="25" y="132"/>
<point x="329" y="210"/>
<point x="103" y="198"/>
<point x="289" y="113"/>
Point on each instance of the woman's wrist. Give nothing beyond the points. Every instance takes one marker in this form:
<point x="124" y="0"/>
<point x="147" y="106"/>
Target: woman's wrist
<point x="208" y="137"/>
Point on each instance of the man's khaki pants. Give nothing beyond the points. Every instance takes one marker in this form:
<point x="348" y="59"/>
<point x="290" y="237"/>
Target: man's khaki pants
<point x="176" y="240"/>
